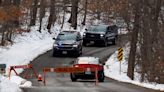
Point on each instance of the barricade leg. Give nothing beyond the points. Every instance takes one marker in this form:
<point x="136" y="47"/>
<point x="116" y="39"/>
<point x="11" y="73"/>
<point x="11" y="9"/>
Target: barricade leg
<point x="44" y="80"/>
<point x="12" y="68"/>
<point x="34" y="72"/>
<point x="96" y="76"/>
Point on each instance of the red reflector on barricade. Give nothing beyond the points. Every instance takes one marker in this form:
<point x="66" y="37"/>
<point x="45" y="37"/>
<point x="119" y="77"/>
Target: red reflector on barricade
<point x="64" y="69"/>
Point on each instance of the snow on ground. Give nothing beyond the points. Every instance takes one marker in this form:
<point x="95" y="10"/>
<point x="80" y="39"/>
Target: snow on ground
<point x="122" y="31"/>
<point x="26" y="47"/>
<point x="112" y="70"/>
<point x="13" y="84"/>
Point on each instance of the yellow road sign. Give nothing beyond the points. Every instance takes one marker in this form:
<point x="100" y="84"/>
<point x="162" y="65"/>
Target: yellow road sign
<point x="120" y="54"/>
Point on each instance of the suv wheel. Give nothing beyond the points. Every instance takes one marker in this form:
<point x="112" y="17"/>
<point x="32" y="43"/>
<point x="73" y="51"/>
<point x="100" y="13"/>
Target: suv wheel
<point x="101" y="77"/>
<point x="53" y="54"/>
<point x="81" y="51"/>
<point x="73" y="77"/>
<point x="105" y="43"/>
<point x="77" y="53"/>
<point x="114" y="41"/>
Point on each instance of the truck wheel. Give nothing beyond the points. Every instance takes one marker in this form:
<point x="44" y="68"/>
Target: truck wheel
<point x="101" y="77"/>
<point x="84" y="43"/>
<point x="73" y="77"/>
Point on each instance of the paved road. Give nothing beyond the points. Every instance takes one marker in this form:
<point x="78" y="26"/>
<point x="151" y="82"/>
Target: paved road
<point x="62" y="83"/>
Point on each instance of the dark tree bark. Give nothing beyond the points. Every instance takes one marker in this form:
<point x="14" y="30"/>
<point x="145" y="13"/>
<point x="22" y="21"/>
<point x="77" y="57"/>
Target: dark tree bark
<point x="42" y="13"/>
<point x="85" y="12"/>
<point x="17" y="4"/>
<point x="64" y="11"/>
<point x="153" y="38"/>
<point x="1" y="2"/>
<point x="52" y="17"/>
<point x="133" y="46"/>
<point x="74" y="12"/>
<point x="6" y="2"/>
<point x="98" y="9"/>
<point x="34" y="12"/>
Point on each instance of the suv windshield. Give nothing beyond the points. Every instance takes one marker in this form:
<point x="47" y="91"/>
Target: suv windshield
<point x="98" y="29"/>
<point x="67" y="36"/>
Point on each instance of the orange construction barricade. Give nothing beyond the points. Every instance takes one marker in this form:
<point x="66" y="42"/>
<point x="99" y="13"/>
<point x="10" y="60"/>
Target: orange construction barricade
<point x="29" y="66"/>
<point x="68" y="70"/>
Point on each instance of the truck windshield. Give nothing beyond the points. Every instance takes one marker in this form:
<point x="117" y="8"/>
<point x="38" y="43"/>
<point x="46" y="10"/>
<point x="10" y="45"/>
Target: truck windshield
<point x="97" y="29"/>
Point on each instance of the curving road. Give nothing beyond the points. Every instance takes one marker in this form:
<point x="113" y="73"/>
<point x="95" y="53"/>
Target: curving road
<point x="61" y="82"/>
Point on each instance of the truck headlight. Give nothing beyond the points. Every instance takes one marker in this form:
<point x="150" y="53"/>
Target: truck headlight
<point x="75" y="45"/>
<point x="84" y="34"/>
<point x="101" y="35"/>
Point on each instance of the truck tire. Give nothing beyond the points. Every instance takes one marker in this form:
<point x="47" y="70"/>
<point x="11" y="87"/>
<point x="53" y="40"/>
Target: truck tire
<point x="73" y="77"/>
<point x="84" y="43"/>
<point x="101" y="77"/>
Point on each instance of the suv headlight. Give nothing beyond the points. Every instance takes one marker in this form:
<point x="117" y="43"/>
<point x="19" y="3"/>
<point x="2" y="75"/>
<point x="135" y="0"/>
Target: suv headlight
<point x="75" y="45"/>
<point x="102" y="35"/>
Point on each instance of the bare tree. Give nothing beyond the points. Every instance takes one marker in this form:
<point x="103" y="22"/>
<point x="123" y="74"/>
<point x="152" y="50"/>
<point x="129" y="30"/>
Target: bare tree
<point x="85" y="12"/>
<point x="34" y="12"/>
<point x="74" y="12"/>
<point x="64" y="11"/>
<point x="52" y="17"/>
<point x="42" y="13"/>
<point x="134" y="39"/>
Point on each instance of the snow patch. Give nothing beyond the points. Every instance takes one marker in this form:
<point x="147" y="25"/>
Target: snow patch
<point x="13" y="84"/>
<point x="112" y="70"/>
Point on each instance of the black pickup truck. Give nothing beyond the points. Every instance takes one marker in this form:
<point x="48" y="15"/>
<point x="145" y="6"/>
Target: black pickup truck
<point x="101" y="34"/>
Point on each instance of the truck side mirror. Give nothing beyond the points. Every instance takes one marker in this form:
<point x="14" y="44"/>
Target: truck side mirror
<point x="54" y="38"/>
<point x="103" y="63"/>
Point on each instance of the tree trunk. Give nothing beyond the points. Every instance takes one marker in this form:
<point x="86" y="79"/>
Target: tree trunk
<point x="154" y="38"/>
<point x="85" y="13"/>
<point x="42" y="13"/>
<point x="3" y="36"/>
<point x="74" y="12"/>
<point x="17" y="4"/>
<point x="98" y="12"/>
<point x="34" y="12"/>
<point x="64" y="11"/>
<point x="133" y="46"/>
<point x="52" y="17"/>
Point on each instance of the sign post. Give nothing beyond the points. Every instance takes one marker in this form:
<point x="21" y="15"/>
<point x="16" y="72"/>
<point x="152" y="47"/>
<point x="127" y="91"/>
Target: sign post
<point x="120" y="56"/>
